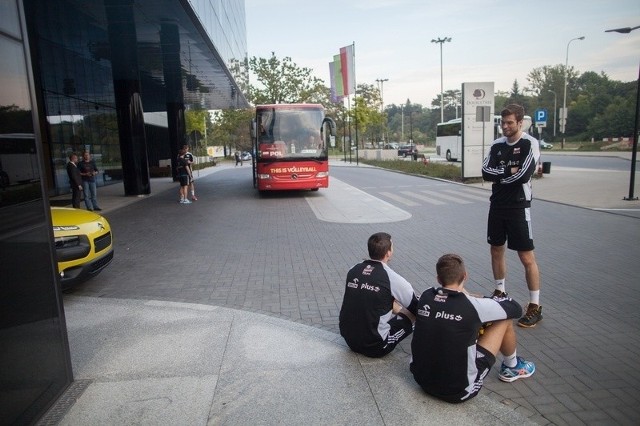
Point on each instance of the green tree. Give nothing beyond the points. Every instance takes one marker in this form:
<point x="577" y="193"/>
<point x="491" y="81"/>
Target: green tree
<point x="366" y="113"/>
<point x="231" y="129"/>
<point x="282" y="81"/>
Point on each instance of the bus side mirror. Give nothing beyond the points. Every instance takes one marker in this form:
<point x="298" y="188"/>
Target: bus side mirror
<point x="254" y="132"/>
<point x="328" y="131"/>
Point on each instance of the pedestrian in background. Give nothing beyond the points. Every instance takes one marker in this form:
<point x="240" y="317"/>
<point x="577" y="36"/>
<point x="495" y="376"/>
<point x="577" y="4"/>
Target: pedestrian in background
<point x="75" y="180"/>
<point x="89" y="171"/>
<point x="238" y="158"/>
<point x="183" y="172"/>
<point x="189" y="157"/>
<point x="511" y="163"/>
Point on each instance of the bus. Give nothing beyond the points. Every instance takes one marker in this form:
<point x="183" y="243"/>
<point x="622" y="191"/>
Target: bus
<point x="449" y="136"/>
<point x="290" y="147"/>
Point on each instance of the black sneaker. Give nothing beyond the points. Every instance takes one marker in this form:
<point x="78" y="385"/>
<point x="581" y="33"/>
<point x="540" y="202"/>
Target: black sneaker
<point x="532" y="316"/>
<point x="498" y="294"/>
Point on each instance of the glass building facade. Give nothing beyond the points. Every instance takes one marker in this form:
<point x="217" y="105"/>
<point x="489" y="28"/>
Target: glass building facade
<point x="112" y="77"/>
<point x="103" y="66"/>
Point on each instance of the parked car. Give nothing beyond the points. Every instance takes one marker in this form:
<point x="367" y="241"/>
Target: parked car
<point x="83" y="243"/>
<point x="545" y="145"/>
<point x="391" y="145"/>
<point x="245" y="156"/>
<point x="407" y="150"/>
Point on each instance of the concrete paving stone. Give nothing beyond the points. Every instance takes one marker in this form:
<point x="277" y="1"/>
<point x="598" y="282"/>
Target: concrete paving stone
<point x="624" y="415"/>
<point x="542" y="399"/>
<point x="594" y="417"/>
<point x="550" y="409"/>
<point x="240" y="397"/>
<point x="564" y="419"/>
<point x="627" y="396"/>
<point x="171" y="400"/>
<point x="573" y="401"/>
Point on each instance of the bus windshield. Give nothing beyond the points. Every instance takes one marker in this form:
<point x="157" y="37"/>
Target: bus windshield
<point x="290" y="133"/>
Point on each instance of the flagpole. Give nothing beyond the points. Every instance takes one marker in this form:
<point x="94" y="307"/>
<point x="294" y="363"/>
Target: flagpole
<point x="349" y="121"/>
<point x="355" y="96"/>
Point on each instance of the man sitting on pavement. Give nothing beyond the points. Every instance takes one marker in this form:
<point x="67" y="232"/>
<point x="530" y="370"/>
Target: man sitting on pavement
<point x="378" y="309"/>
<point x="451" y="349"/>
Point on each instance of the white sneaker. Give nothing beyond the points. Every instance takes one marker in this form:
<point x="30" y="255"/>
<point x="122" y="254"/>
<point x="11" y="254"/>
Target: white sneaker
<point x="186" y="202"/>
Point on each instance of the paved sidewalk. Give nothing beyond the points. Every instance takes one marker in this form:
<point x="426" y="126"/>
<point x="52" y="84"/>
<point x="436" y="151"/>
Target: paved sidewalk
<point x="161" y="362"/>
<point x="166" y="363"/>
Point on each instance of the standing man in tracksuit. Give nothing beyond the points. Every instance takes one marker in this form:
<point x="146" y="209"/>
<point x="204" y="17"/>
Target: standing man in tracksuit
<point x="511" y="163"/>
<point x="379" y="306"/>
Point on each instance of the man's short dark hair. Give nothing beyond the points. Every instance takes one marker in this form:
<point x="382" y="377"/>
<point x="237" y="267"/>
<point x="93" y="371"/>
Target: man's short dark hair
<point x="450" y="269"/>
<point x="514" y="109"/>
<point x="379" y="244"/>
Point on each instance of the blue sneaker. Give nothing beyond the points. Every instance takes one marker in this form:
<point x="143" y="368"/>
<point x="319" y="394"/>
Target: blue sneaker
<point x="520" y="371"/>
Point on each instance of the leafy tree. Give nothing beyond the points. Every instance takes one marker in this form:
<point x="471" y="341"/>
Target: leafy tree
<point x="231" y="129"/>
<point x="614" y="120"/>
<point x="366" y="113"/>
<point x="282" y="81"/>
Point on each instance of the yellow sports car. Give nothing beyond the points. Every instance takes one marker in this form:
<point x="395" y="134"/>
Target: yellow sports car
<point x="84" y="245"/>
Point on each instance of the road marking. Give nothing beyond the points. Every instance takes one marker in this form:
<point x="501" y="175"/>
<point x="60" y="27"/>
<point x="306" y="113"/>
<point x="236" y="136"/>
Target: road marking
<point x="446" y="197"/>
<point x="461" y="193"/>
<point x="424" y="198"/>
<point x="399" y="199"/>
<point x="343" y="203"/>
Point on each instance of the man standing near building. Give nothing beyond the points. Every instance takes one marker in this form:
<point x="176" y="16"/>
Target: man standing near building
<point x="189" y="157"/>
<point x="378" y="309"/>
<point x="511" y="163"/>
<point x="75" y="180"/>
<point x="89" y="171"/>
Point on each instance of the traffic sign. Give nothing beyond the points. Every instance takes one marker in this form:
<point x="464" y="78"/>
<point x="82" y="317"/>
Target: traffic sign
<point x="541" y="115"/>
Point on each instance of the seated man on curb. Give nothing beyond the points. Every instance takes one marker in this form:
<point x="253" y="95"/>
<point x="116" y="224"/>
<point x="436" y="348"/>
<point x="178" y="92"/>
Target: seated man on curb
<point x="452" y="350"/>
<point x="378" y="309"/>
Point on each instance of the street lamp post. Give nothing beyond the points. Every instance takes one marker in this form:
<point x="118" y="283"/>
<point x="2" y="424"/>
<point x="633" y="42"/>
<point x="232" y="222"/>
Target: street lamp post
<point x="381" y="83"/>
<point x="634" y="149"/>
<point x="441" y="41"/>
<point x="555" y="111"/>
<point x="563" y="122"/>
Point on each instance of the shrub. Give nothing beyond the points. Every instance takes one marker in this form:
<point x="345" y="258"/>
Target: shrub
<point x="432" y="169"/>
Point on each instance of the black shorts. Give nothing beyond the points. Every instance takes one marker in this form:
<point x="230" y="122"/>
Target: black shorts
<point x="512" y="226"/>
<point x="401" y="327"/>
<point x="484" y="362"/>
<point x="184" y="180"/>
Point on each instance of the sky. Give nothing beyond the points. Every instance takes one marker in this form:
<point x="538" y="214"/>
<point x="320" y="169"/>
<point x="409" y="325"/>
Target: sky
<point x="491" y="41"/>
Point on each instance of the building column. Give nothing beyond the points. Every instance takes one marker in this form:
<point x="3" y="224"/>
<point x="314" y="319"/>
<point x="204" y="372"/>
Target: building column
<point x="126" y="85"/>
<point x="172" y="70"/>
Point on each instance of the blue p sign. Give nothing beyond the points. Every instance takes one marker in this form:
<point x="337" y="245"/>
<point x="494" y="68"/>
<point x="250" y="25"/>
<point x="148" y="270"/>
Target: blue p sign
<point x="541" y="115"/>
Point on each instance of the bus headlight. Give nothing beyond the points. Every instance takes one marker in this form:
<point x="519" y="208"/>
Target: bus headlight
<point x="322" y="174"/>
<point x="264" y="176"/>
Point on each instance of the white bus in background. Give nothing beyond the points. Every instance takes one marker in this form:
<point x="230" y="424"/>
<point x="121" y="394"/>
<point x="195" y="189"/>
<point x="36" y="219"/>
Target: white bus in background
<point x="449" y="136"/>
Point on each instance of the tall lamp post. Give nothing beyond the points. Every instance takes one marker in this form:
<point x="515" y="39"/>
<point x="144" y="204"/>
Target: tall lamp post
<point x="634" y="151"/>
<point x="441" y="41"/>
<point x="563" y="122"/>
<point x="555" y="111"/>
<point x="381" y="83"/>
